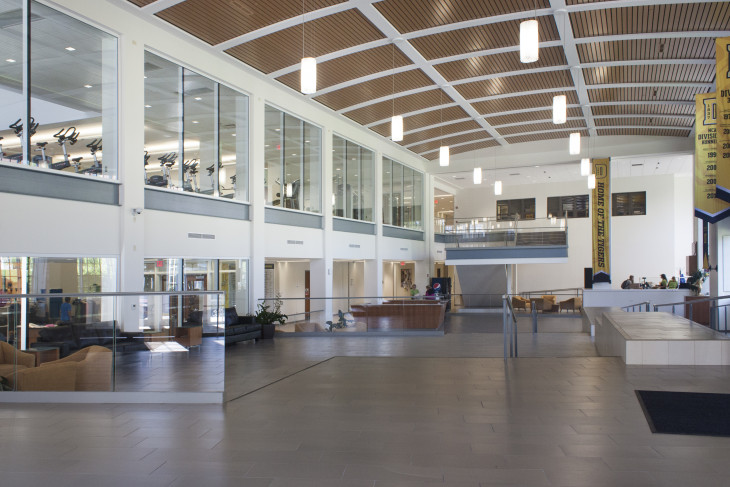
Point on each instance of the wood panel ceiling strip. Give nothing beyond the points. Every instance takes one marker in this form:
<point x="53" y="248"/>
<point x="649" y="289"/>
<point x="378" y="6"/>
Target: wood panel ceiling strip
<point x="670" y="84"/>
<point x="382" y="99"/>
<point x="649" y="62"/>
<point x="461" y="144"/>
<point x="535" y="122"/>
<point x="571" y="55"/>
<point x="653" y="35"/>
<point x="287" y="23"/>
<point x="444" y="137"/>
<point x="380" y="22"/>
<point x="610" y="4"/>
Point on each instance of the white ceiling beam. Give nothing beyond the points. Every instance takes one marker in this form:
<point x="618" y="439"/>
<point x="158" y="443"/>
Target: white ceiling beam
<point x="647" y="62"/>
<point x="444" y="136"/>
<point x="630" y="3"/>
<point x="159" y="6"/>
<point x="372" y="14"/>
<point x="387" y="98"/>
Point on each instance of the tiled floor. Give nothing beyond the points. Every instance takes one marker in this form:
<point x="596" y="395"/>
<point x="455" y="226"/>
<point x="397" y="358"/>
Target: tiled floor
<point x="384" y="412"/>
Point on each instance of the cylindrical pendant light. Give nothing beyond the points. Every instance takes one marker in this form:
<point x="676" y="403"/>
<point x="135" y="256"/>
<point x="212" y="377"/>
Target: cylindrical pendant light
<point x="477" y="175"/>
<point x="591" y="181"/>
<point x="498" y="188"/>
<point x="574" y="143"/>
<point x="444" y="156"/>
<point x="560" y="109"/>
<point x="529" y="41"/>
<point x="396" y="128"/>
<point x="309" y="75"/>
<point x="585" y="166"/>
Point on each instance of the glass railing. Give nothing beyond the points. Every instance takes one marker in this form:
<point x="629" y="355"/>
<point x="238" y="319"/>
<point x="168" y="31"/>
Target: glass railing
<point x="381" y="314"/>
<point x="113" y="342"/>
<point x="489" y="232"/>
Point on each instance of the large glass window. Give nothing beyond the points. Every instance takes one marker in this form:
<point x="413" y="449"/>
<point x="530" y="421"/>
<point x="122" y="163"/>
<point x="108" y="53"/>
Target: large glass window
<point x="73" y="93"/>
<point x="402" y="195"/>
<point x="352" y="183"/>
<point x="522" y="209"/>
<point x="196" y="132"/>
<point x="229" y="275"/>
<point x="568" y="206"/>
<point x="293" y="162"/>
<point x="628" y="204"/>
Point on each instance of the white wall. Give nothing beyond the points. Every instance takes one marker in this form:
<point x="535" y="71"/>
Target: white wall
<point x="646" y="245"/>
<point x="289" y="277"/>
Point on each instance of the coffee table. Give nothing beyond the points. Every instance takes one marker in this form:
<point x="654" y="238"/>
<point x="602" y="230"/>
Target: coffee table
<point x="44" y="354"/>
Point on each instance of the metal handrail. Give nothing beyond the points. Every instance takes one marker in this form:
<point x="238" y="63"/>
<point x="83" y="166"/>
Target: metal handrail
<point x="703" y="300"/>
<point x="106" y="295"/>
<point x="646" y="304"/>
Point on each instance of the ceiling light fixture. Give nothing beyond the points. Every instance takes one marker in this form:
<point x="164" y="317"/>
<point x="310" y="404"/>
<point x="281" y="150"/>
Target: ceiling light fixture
<point x="529" y="39"/>
<point x="88" y="86"/>
<point x="574" y="147"/>
<point x="560" y="109"/>
<point x="591" y="181"/>
<point x="10" y="60"/>
<point x="477" y="175"/>
<point x="444" y="149"/>
<point x="585" y="166"/>
<point x="497" y="183"/>
<point x="308" y="66"/>
<point x="396" y="123"/>
<point x="498" y="188"/>
<point x="70" y="49"/>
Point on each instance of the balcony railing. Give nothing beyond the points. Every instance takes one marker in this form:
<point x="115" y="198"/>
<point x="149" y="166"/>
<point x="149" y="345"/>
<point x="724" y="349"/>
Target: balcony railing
<point x="489" y="232"/>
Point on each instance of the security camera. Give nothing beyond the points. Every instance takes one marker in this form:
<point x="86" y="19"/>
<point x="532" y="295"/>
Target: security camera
<point x="136" y="211"/>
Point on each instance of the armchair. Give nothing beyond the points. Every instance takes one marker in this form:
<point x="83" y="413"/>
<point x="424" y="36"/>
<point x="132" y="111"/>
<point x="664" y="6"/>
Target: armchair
<point x="94" y="368"/>
<point x="13" y="360"/>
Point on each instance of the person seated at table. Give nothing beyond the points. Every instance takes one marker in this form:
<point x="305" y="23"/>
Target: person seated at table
<point x="663" y="284"/>
<point x="430" y="293"/>
<point x="627" y="283"/>
<point x="673" y="284"/>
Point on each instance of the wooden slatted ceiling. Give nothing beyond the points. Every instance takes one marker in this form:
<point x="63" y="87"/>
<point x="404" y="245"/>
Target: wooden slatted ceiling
<point x="468" y="148"/>
<point x="142" y="3"/>
<point x="490" y="36"/>
<point x="351" y="67"/>
<point x="515" y="84"/>
<point x="673" y="109"/>
<point x="651" y="18"/>
<point x="655" y="73"/>
<point x="644" y="94"/>
<point x="498" y="63"/>
<point x="540" y="127"/>
<point x="376" y="88"/>
<point x="413" y="15"/>
<point x="646" y="121"/>
<point x="527" y="116"/>
<point x="426" y="119"/>
<point x="521" y="102"/>
<point x="384" y="110"/>
<point x="284" y="48"/>
<point x="640" y="49"/>
<point x="646" y="132"/>
<point x="518" y="139"/>
<point x="215" y="21"/>
<point x="459" y="139"/>
<point x="438" y="132"/>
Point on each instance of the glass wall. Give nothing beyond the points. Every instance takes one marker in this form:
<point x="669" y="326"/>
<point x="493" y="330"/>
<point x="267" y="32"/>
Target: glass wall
<point x="293" y="162"/>
<point x="196" y="132"/>
<point x="73" y="93"/>
<point x="229" y="275"/>
<point x="402" y="195"/>
<point x="352" y="180"/>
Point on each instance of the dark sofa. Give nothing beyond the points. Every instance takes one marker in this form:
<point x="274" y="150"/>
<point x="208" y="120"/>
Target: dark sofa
<point x="240" y="328"/>
<point x="72" y="337"/>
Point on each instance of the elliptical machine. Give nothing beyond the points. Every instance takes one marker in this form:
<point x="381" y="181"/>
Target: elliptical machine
<point x="70" y="136"/>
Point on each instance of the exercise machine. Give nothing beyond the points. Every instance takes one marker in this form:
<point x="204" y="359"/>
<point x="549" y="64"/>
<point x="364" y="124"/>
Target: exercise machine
<point x="41" y="160"/>
<point x="166" y="161"/>
<point x="190" y="169"/>
<point x="94" y="146"/>
<point x="65" y="136"/>
<point x="17" y="127"/>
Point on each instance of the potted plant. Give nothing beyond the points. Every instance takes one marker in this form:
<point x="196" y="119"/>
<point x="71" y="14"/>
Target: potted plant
<point x="269" y="316"/>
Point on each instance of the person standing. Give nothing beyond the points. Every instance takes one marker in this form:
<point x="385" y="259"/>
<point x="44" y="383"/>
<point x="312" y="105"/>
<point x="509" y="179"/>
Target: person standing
<point x="627" y="283"/>
<point x="414" y="291"/>
<point x="66" y="310"/>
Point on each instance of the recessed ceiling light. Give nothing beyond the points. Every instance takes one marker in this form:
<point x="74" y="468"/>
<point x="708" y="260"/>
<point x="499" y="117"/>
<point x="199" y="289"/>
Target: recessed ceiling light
<point x="233" y="135"/>
<point x="88" y="86"/>
<point x="198" y="98"/>
<point x="195" y="121"/>
<point x="10" y="60"/>
<point x="148" y="106"/>
<point x="69" y="48"/>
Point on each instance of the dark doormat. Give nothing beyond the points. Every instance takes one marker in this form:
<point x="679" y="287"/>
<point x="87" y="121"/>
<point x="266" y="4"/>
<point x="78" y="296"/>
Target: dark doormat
<point x="686" y="413"/>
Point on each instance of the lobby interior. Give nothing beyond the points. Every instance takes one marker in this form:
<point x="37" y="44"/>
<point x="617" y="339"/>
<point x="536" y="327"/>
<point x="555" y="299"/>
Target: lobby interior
<point x="198" y="80"/>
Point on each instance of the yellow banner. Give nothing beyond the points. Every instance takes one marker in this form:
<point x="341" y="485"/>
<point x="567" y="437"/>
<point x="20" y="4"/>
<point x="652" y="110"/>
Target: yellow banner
<point x="722" y="80"/>
<point x="707" y="206"/>
<point x="601" y="211"/>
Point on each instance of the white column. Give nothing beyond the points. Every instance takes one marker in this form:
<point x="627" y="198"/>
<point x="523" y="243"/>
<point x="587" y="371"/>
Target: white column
<point x="258" y="200"/>
<point x="131" y="175"/>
